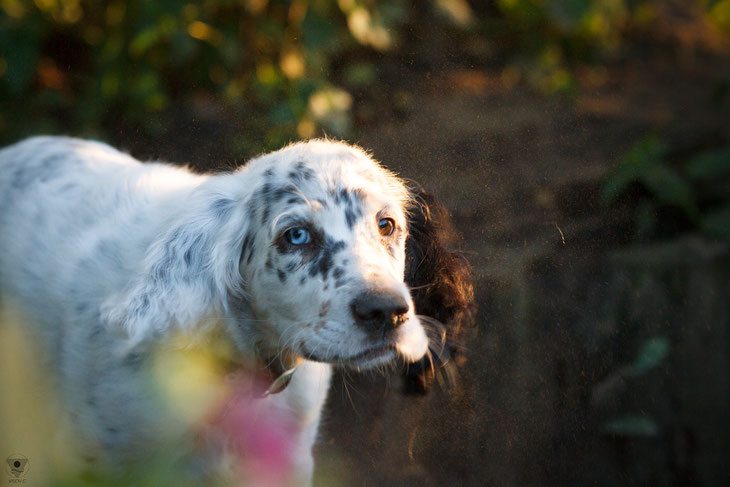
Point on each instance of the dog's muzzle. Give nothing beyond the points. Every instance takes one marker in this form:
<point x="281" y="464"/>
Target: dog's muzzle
<point x="378" y="310"/>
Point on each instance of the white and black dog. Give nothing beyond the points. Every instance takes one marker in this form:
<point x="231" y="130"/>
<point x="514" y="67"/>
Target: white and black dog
<point x="298" y="259"/>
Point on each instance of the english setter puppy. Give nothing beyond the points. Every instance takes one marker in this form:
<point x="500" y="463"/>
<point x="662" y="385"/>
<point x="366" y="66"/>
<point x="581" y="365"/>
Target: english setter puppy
<point x="298" y="260"/>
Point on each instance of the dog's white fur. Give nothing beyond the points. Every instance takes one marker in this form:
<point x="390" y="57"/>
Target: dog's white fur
<point x="106" y="255"/>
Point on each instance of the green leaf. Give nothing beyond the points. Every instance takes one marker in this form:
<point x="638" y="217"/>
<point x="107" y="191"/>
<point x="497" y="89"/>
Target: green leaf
<point x="651" y="355"/>
<point x="632" y="425"/>
<point x="642" y="158"/>
<point x="710" y="165"/>
<point x="670" y="188"/>
<point x="717" y="222"/>
<point x="622" y="177"/>
<point x="143" y="40"/>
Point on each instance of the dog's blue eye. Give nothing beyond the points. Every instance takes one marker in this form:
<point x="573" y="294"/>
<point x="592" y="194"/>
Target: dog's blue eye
<point x="298" y="236"/>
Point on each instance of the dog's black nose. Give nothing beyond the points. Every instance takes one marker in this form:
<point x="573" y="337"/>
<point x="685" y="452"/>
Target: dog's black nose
<point x="379" y="310"/>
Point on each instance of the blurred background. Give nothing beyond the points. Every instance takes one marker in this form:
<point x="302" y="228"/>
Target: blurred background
<point x="582" y="148"/>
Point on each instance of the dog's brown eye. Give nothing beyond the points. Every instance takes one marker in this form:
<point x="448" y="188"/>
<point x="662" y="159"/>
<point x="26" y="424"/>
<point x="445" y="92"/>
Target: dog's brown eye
<point x="386" y="226"/>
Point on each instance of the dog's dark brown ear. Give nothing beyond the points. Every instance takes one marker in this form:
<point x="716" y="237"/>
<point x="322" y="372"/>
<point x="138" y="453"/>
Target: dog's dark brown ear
<point x="441" y="287"/>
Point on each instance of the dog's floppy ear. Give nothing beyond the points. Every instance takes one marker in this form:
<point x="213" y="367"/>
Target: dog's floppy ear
<point x="183" y="280"/>
<point x="440" y="279"/>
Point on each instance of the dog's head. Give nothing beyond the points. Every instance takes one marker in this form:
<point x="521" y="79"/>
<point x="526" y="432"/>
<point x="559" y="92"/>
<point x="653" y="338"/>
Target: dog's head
<point x="323" y="257"/>
<point x="303" y="249"/>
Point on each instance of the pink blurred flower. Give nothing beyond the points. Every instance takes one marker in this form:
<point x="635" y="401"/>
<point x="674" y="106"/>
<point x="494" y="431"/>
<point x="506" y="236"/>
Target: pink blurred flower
<point x="262" y="438"/>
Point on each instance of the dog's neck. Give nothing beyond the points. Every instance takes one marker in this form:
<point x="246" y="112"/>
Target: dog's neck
<point x="271" y="366"/>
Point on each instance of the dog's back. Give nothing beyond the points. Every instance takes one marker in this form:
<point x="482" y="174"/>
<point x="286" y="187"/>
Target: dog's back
<point x="63" y="204"/>
<point x="59" y="198"/>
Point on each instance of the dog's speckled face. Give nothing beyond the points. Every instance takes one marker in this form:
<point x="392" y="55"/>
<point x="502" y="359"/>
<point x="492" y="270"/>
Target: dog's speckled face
<point x="323" y="257"/>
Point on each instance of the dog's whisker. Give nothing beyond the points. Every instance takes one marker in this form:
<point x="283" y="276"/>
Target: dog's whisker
<point x="423" y="286"/>
<point x="346" y="389"/>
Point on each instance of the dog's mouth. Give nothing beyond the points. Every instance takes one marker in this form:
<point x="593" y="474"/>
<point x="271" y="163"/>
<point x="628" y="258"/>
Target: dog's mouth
<point x="368" y="358"/>
<point x="371" y="357"/>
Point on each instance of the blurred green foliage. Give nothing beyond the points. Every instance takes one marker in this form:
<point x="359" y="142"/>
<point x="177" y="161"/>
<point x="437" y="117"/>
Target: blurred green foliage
<point x="699" y="188"/>
<point x="651" y="355"/>
<point x="86" y="66"/>
<point x="547" y="38"/>
<point x="632" y="426"/>
<point x="266" y="68"/>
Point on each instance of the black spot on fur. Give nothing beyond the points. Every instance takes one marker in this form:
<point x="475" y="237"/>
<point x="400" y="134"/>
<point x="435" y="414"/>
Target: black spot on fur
<point x="352" y="201"/>
<point x="268" y="195"/>
<point x="34" y="172"/>
<point x="392" y="250"/>
<point x="143" y="305"/>
<point x="337" y="273"/>
<point x="246" y="249"/>
<point x="285" y="191"/>
<point x="324" y="260"/>
<point x="67" y="187"/>
<point x="265" y="196"/>
<point x="81" y="307"/>
<point x="193" y="251"/>
<point x="251" y="211"/>
<point x="339" y="195"/>
<point x="301" y="172"/>
<point x="96" y="330"/>
<point x="222" y="207"/>
<point x="281" y="274"/>
<point x="133" y="360"/>
<point x="351" y="216"/>
<point x="22" y="178"/>
<point x="161" y="270"/>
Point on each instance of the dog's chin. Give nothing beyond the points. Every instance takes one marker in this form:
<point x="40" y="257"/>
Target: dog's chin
<point x="410" y="349"/>
<point x="371" y="357"/>
<point x="368" y="358"/>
